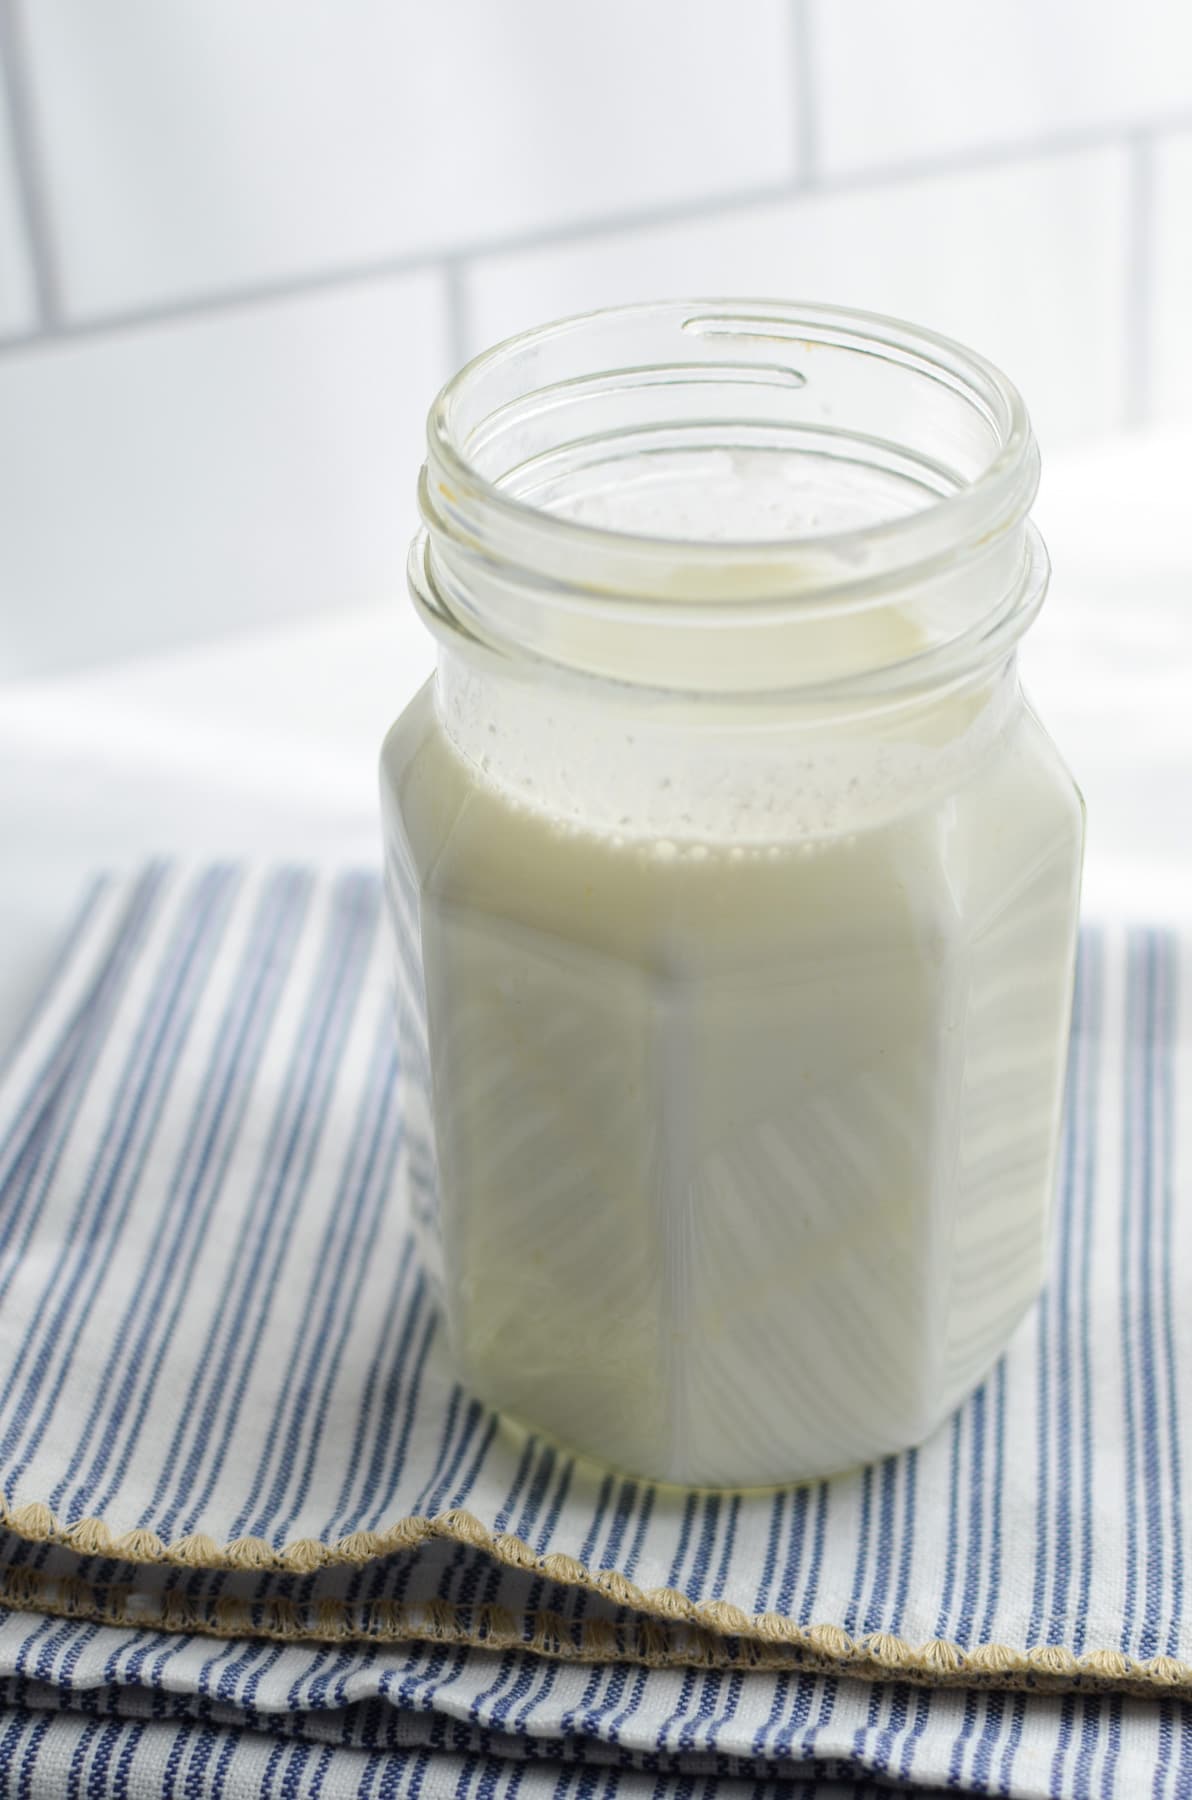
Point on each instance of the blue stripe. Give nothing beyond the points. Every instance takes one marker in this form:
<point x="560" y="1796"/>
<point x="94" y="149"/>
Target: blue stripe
<point x="1063" y="1743"/>
<point x="401" y="1321"/>
<point x="302" y="1101"/>
<point x="1169" y="989"/>
<point x="249" y="1327"/>
<point x="730" y="1538"/>
<point x="69" y="1072"/>
<point x="322" y="1406"/>
<point x="454" y="1443"/>
<point x="816" y="1562"/>
<point x="369" y="1511"/>
<point x="680" y="1556"/>
<point x="881" y="1756"/>
<point x="72" y="1640"/>
<point x="359" y="1187"/>
<point x="899" y="1707"/>
<point x="1156" y="1556"/>
<point x="1182" y="1784"/>
<point x="60" y="963"/>
<point x="993" y="1592"/>
<point x="30" y="1756"/>
<point x="944" y="1617"/>
<point x="554" y="1597"/>
<point x="861" y="1562"/>
<point x="1062" y="1373"/>
<point x="148" y="1069"/>
<point x="466" y="1571"/>
<point x="534" y="1598"/>
<point x="1129" y="1305"/>
<point x="1013" y="1740"/>
<point x="623" y="1512"/>
<point x="271" y="930"/>
<point x="1041" y="1548"/>
<point x="1112" y="1728"/>
<point x="10" y="1737"/>
<point x="703" y="1552"/>
<point x="219" y="1781"/>
<point x="632" y="1497"/>
<point x="991" y="1732"/>
<point x="1166" y="1737"/>
<point x="918" y="1726"/>
<point x="1092" y="957"/>
<point x="761" y="1601"/>
<point x="74" y="1780"/>
<point x="104" y="1231"/>
<point x="1085" y="1745"/>
<point x="713" y="1683"/>
<point x="906" y="1554"/>
<point x="828" y="1690"/>
<point x="585" y="1556"/>
<point x="793" y="1557"/>
<point x="76" y="1051"/>
<point x="244" y="1033"/>
<point x="467" y="1481"/>
<point x="883" y="1561"/>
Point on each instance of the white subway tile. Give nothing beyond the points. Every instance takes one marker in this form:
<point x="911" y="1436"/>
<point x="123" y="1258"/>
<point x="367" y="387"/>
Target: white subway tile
<point x="1172" y="344"/>
<point x="208" y="144"/>
<point x="926" y="78"/>
<point x="17" y="305"/>
<point x="175" y="482"/>
<point x="1024" y="262"/>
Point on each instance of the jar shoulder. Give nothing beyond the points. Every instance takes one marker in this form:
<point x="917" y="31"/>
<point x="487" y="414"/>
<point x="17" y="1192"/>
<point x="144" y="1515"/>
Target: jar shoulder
<point x="421" y="787"/>
<point x="933" y="876"/>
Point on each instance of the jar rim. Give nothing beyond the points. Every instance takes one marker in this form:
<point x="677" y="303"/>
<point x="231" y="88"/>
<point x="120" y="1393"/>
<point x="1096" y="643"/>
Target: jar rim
<point x="920" y="446"/>
<point x="995" y="498"/>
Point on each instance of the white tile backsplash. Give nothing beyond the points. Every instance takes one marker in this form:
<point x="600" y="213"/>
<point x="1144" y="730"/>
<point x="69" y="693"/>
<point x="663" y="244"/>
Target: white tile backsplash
<point x="1024" y="263"/>
<point x="276" y="226"/>
<point x="207" y="144"/>
<point x="17" y="306"/>
<point x="213" y="474"/>
<point x="908" y="80"/>
<point x="1171" y="368"/>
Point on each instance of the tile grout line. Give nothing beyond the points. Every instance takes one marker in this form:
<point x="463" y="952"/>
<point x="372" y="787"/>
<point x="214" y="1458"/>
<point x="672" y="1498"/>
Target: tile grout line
<point x="30" y="182"/>
<point x="560" y="236"/>
<point x="1139" y="299"/>
<point x="458" y="322"/>
<point x="414" y="262"/>
<point x="804" y="94"/>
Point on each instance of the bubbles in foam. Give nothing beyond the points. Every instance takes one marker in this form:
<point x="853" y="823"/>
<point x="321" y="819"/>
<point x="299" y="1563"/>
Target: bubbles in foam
<point x="670" y="781"/>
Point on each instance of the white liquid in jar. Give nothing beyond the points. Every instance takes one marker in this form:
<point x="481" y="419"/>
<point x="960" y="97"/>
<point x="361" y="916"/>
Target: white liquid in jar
<point x="735" y="1153"/>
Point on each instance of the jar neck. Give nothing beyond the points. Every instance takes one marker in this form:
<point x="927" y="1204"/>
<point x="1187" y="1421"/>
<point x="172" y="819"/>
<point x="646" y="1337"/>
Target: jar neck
<point x="632" y="764"/>
<point x="738" y="570"/>
<point x="756" y="634"/>
<point x="747" y="499"/>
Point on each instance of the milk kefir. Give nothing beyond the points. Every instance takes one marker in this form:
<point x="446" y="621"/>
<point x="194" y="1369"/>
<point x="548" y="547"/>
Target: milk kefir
<point x="734" y="958"/>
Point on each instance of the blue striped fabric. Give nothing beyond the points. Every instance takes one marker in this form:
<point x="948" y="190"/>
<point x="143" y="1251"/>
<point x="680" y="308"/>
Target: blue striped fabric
<point x="213" y="1329"/>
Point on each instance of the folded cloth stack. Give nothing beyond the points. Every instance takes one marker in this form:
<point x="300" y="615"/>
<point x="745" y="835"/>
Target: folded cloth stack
<point x="257" y="1542"/>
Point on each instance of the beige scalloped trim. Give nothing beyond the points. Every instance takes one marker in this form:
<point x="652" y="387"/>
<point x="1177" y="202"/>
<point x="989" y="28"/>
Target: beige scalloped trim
<point x="670" y="1630"/>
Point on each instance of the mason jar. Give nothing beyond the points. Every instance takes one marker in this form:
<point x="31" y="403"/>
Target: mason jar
<point x="734" y="885"/>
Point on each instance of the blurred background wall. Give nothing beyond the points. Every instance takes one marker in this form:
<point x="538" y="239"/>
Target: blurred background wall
<point x="242" y="244"/>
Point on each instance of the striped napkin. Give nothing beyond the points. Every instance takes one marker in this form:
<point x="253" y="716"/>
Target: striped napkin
<point x="256" y="1541"/>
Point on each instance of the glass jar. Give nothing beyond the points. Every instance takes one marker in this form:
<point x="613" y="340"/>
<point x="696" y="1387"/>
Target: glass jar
<point x="734" y="885"/>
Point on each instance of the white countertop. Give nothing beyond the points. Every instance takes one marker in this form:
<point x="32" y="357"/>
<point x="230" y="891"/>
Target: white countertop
<point x="266" y="745"/>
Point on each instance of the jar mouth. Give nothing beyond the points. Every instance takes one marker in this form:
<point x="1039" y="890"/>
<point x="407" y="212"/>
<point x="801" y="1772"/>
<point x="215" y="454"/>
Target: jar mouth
<point x="727" y="460"/>
<point x="769" y="333"/>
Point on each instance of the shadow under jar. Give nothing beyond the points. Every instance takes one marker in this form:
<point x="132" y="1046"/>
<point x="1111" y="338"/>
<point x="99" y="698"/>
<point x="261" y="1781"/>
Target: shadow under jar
<point x="734" y="885"/>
